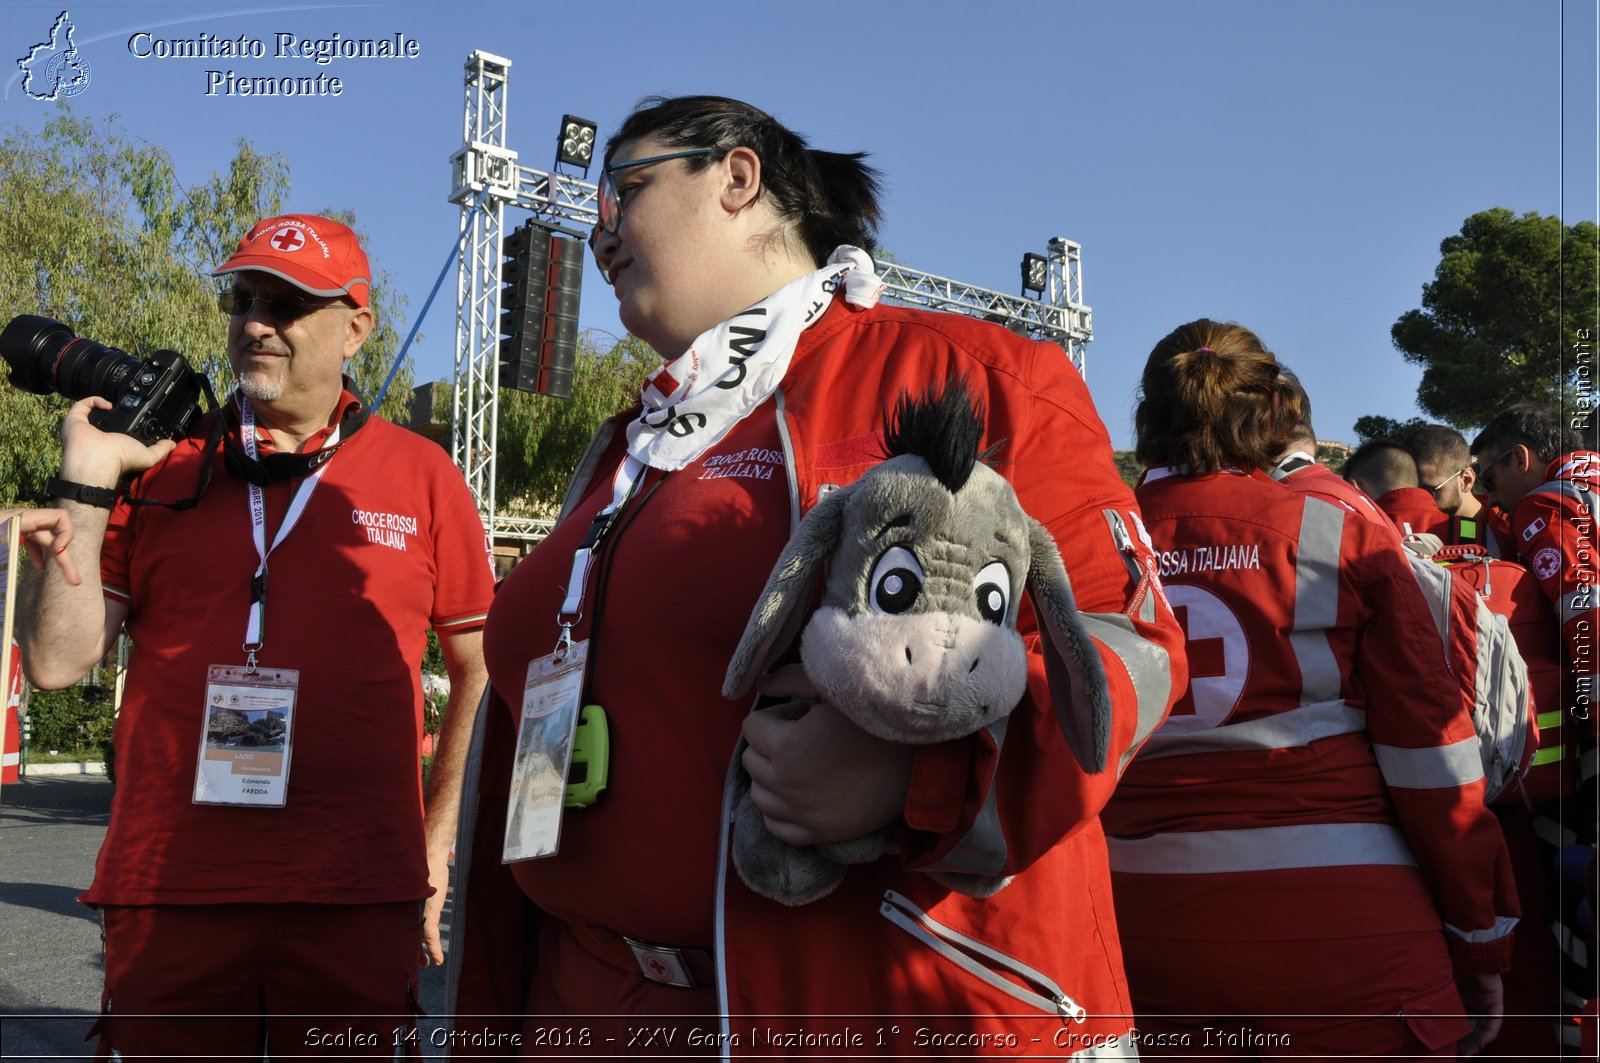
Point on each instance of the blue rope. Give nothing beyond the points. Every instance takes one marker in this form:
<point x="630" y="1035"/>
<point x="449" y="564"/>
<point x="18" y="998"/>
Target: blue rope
<point x="455" y="250"/>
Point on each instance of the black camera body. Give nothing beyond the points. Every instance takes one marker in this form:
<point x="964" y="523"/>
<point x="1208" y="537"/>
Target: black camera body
<point x="153" y="399"/>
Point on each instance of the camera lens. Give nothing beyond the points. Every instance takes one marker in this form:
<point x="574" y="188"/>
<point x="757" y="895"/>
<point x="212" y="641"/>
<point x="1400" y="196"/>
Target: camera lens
<point x="46" y="358"/>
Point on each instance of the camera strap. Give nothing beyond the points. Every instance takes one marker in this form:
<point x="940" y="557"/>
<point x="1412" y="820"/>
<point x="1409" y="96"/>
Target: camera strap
<point x="255" y="626"/>
<point x="213" y="442"/>
<point x="275" y="468"/>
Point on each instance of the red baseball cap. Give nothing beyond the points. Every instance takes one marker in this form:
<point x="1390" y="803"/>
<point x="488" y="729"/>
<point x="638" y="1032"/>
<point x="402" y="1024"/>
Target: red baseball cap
<point x="313" y="253"/>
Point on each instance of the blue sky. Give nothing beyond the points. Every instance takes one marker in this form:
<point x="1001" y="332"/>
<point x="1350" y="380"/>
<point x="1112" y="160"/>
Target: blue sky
<point x="1289" y="165"/>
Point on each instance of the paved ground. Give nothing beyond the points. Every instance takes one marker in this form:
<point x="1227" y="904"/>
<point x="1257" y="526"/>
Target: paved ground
<point x="50" y="961"/>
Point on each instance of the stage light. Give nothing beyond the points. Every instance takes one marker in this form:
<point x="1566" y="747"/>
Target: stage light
<point x="1035" y="273"/>
<point x="575" y="142"/>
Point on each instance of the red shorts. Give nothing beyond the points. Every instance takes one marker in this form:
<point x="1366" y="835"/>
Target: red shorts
<point x="1390" y="996"/>
<point x="295" y="980"/>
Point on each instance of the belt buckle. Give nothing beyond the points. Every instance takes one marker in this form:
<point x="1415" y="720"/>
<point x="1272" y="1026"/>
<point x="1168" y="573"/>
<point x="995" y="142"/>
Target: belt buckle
<point x="661" y="963"/>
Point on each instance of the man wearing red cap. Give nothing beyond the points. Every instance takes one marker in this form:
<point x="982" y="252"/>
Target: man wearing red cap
<point x="269" y="851"/>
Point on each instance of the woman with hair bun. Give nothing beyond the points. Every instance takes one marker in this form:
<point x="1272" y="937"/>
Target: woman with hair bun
<point x="1302" y="860"/>
<point x="737" y="252"/>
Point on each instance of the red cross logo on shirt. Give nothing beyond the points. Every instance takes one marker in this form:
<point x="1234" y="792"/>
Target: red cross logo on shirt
<point x="1206" y="660"/>
<point x="287" y="239"/>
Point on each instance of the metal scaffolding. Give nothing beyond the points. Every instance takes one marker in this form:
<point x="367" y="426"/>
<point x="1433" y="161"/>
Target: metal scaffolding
<point x="486" y="178"/>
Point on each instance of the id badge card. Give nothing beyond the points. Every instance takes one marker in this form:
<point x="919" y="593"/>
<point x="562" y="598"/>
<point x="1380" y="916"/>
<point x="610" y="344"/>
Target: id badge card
<point x="550" y="697"/>
<point x="245" y="737"/>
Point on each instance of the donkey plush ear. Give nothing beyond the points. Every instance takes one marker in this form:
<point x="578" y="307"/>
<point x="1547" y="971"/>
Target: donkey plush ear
<point x="1072" y="664"/>
<point x="786" y="592"/>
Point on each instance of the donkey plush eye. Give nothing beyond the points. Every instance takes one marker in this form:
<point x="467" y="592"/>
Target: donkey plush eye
<point x="896" y="581"/>
<point x="993" y="589"/>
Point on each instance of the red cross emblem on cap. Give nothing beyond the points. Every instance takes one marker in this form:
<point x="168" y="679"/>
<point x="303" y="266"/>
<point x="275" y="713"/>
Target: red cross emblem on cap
<point x="288" y="239"/>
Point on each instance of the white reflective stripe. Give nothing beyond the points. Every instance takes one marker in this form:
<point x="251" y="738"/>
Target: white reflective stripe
<point x="1316" y="599"/>
<point x="1580" y="601"/>
<point x="1588" y="766"/>
<point x="1121" y="1048"/>
<point x="1431" y="768"/>
<point x="1571" y="1036"/>
<point x="11" y="760"/>
<point x="1261" y="849"/>
<point x="1552" y="832"/>
<point x="1149" y="669"/>
<point x="1562" y="488"/>
<point x="1572" y="944"/>
<point x="1503" y="925"/>
<point x="1286" y="730"/>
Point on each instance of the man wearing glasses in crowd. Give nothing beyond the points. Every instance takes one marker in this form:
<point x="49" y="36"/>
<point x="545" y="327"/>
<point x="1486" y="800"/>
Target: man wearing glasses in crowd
<point x="269" y="856"/>
<point x="1444" y="464"/>
<point x="1544" y="472"/>
<point x="1542" y="467"/>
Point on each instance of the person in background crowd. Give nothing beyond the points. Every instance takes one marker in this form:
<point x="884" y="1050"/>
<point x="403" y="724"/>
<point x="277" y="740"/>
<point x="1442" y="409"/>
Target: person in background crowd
<point x="1444" y="464"/>
<point x="1304" y="841"/>
<point x="1385" y="472"/>
<point x="735" y="252"/>
<point x="269" y="863"/>
<point x="1543" y="469"/>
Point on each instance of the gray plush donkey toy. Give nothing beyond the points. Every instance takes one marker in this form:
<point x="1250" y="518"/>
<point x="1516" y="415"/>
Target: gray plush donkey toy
<point x="916" y="638"/>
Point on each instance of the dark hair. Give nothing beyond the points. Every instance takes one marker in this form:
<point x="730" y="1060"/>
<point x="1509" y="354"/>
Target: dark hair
<point x="1438" y="445"/>
<point x="1382" y="465"/>
<point x="829" y="197"/>
<point x="1541" y="429"/>
<point x="1213" y="396"/>
<point x="943" y="427"/>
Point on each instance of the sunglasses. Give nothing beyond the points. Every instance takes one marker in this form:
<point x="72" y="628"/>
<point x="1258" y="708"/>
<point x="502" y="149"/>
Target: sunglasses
<point x="1442" y="484"/>
<point x="1484" y="470"/>
<point x="237" y="302"/>
<point x="611" y="203"/>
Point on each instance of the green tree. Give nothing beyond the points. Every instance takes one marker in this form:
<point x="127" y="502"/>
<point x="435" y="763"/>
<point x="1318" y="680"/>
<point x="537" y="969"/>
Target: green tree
<point x="1129" y="467"/>
<point x="541" y="438"/>
<point x="1512" y="296"/>
<point x="96" y="232"/>
<point x="1374" y="426"/>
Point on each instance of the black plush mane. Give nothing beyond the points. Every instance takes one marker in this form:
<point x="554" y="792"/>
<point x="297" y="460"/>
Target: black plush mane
<point x="943" y="428"/>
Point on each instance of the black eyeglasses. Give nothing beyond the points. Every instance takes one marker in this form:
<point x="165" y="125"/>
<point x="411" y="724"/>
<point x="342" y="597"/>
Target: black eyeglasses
<point x="610" y="203"/>
<point x="237" y="302"/>
<point x="1485" y="469"/>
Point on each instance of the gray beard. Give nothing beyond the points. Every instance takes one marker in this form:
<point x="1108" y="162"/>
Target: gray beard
<point x="260" y="390"/>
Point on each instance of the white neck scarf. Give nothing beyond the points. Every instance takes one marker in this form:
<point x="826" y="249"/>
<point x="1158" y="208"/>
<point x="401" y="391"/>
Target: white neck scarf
<point x="692" y="402"/>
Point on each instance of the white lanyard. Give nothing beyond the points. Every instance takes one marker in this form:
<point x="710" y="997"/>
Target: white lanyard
<point x="622" y="485"/>
<point x="253" y="632"/>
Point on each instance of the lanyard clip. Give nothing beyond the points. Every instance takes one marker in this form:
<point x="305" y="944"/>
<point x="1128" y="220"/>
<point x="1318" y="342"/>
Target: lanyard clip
<point x="250" y="649"/>
<point x="564" y="643"/>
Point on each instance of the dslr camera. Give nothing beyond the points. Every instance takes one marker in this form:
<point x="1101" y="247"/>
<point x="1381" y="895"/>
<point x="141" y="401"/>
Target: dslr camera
<point x="157" y="398"/>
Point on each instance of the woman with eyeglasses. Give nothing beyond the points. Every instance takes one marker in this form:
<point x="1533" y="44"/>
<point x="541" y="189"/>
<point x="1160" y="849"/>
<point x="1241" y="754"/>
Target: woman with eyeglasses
<point x="1302" y="859"/>
<point x="738" y="253"/>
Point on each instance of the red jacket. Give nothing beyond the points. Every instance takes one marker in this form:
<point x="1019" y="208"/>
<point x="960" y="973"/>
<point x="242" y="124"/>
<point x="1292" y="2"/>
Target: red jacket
<point x="1323" y="765"/>
<point x="1553" y="529"/>
<point x="1414" y="512"/>
<point x="1014" y="804"/>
